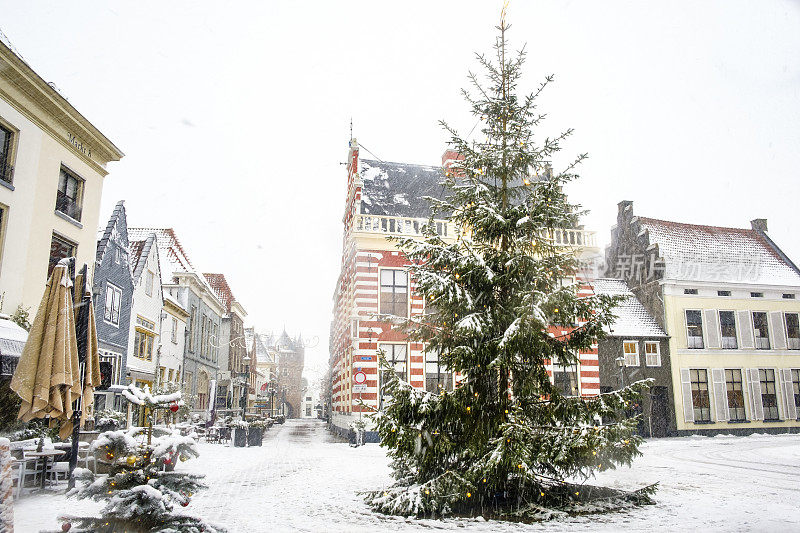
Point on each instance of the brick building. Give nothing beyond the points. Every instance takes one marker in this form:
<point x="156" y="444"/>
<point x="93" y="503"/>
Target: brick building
<point x="385" y="199"/>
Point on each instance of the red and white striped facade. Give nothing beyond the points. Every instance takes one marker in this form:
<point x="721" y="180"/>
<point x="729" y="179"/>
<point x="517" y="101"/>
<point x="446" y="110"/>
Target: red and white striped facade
<point x="357" y="334"/>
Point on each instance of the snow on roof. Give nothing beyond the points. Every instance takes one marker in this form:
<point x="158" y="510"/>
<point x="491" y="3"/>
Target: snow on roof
<point x="717" y="254"/>
<point x="172" y="257"/>
<point x="221" y="288"/>
<point x="397" y="189"/>
<point x="174" y="301"/>
<point x="104" y="235"/>
<point x="140" y="251"/>
<point x="633" y="320"/>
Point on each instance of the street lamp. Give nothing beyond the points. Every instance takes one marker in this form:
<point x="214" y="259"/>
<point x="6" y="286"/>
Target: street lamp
<point x="621" y="364"/>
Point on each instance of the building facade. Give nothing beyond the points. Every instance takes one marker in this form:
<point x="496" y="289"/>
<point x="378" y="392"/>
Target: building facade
<point x="728" y="299"/>
<point x="112" y="290"/>
<point x="146" y="313"/>
<point x="52" y="165"/>
<point x="173" y="341"/>
<point x="290" y="363"/>
<point x="383" y="200"/>
<point x="232" y="344"/>
<point x="190" y="289"/>
<point x="636" y="348"/>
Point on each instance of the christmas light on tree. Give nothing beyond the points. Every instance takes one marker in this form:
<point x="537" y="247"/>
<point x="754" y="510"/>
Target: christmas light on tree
<point x="506" y="442"/>
<point x="140" y="488"/>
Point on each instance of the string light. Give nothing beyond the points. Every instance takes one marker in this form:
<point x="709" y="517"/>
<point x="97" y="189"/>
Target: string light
<point x="469" y="495"/>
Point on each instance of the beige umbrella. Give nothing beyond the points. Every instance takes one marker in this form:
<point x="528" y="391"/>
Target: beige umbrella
<point x="48" y="377"/>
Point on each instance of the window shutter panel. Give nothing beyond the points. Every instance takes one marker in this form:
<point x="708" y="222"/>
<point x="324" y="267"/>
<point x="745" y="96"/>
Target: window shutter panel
<point x="755" y="394"/>
<point x="777" y="329"/>
<point x="712" y="328"/>
<point x="745" y="329"/>
<point x="686" y="388"/>
<point x="720" y="394"/>
<point x="790" y="410"/>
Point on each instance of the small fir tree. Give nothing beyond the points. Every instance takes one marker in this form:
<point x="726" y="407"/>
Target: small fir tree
<point x="506" y="442"/>
<point x="141" y="488"/>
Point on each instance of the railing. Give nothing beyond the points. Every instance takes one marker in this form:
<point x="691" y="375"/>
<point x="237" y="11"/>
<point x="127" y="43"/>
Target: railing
<point x="413" y="226"/>
<point x="695" y="342"/>
<point x="6" y="171"/>
<point x="729" y="343"/>
<point x="794" y="343"/>
<point x="68" y="206"/>
<point x="399" y="225"/>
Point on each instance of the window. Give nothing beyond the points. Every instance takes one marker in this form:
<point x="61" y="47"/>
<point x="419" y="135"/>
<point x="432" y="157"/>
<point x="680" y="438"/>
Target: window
<point x="631" y="351"/>
<point x="68" y="196"/>
<point x="437" y="378"/>
<point x="723" y="293"/>
<point x="796" y="390"/>
<point x="756" y="295"/>
<point x="144" y="338"/>
<point x="394" y="292"/>
<point x="769" y="397"/>
<point x="113" y="298"/>
<point x="192" y="321"/>
<point x="171" y="375"/>
<point x="727" y="325"/>
<point x="3" y="211"/>
<point x="112" y="359"/>
<point x="203" y="335"/>
<point x="6" y="169"/>
<point x="565" y="381"/>
<point x="188" y="381"/>
<point x="173" y="334"/>
<point x="760" y="330"/>
<point x="788" y="296"/>
<point x="148" y="283"/>
<point x="700" y="398"/>
<point x="161" y="371"/>
<point x="793" y="331"/>
<point x="652" y="353"/>
<point x="694" y="329"/>
<point x="354" y="328"/>
<point x="396" y="355"/>
<point x="733" y="382"/>
<point x="689" y="291"/>
<point x="60" y="248"/>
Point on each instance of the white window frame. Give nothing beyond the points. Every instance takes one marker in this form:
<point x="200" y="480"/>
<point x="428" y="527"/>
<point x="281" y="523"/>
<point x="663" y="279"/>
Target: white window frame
<point x="631" y="360"/>
<point x="786" y="332"/>
<point x="174" y="332"/>
<point x="657" y="354"/>
<point x="757" y="337"/>
<point x="114" y="291"/>
<point x="735" y="327"/>
<point x="686" y="329"/>
<point x="408" y="290"/>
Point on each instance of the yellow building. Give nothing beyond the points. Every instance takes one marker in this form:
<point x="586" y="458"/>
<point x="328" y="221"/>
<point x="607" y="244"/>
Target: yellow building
<point x="728" y="299"/>
<point x="52" y="165"/>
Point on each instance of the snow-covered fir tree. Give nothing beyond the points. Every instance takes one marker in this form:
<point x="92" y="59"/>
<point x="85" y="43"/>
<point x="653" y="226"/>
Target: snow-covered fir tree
<point x="506" y="442"/>
<point x="141" y="486"/>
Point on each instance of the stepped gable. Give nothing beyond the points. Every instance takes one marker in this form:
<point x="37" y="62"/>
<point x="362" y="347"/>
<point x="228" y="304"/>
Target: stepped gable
<point x="398" y="189"/>
<point x="140" y="250"/>
<point x="718" y="254"/>
<point x="632" y="319"/>
<point x="105" y="235"/>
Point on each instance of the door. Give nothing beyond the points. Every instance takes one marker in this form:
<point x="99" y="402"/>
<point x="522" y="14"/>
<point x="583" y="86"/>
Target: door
<point x="659" y="411"/>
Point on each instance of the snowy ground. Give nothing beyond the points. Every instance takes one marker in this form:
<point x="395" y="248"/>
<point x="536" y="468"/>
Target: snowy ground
<point x="301" y="480"/>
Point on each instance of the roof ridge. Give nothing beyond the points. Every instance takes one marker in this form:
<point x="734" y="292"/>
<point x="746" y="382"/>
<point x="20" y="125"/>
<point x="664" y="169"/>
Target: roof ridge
<point x="650" y="219"/>
<point x="437" y="167"/>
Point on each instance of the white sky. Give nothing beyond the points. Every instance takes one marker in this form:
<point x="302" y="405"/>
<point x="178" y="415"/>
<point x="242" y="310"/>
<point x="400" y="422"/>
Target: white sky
<point x="234" y="117"/>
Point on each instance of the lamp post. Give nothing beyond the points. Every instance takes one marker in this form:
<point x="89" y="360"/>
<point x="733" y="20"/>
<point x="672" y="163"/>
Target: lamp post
<point x="245" y="376"/>
<point x="621" y="364"/>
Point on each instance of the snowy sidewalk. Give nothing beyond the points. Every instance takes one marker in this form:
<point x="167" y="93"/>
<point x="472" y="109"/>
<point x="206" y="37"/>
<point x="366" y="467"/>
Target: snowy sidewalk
<point x="301" y="480"/>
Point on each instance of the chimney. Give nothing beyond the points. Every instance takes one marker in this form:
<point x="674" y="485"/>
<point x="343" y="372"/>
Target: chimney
<point x="759" y="224"/>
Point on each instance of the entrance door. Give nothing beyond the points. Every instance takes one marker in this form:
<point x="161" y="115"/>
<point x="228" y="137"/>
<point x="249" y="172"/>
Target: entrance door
<point x="659" y="411"/>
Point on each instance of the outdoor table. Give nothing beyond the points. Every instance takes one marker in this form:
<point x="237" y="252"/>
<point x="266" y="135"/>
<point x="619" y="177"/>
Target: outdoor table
<point x="45" y="454"/>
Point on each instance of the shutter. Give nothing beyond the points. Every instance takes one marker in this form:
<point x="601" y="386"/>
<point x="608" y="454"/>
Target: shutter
<point x="777" y="329"/>
<point x="711" y="327"/>
<point x="746" y="329"/>
<point x="757" y="411"/>
<point x="720" y="394"/>
<point x="686" y="387"/>
<point x="790" y="410"/>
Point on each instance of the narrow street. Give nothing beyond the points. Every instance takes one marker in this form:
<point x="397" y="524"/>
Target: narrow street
<point x="301" y="479"/>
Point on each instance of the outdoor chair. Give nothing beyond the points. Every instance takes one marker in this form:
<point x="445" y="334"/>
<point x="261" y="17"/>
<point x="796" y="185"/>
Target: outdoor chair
<point x="58" y="471"/>
<point x="28" y="468"/>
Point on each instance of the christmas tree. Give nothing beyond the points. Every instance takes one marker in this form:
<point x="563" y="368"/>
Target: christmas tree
<point x="141" y="486"/>
<point x="506" y="442"/>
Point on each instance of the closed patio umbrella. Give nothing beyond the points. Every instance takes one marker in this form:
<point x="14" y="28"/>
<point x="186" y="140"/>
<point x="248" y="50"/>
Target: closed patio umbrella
<point x="48" y="377"/>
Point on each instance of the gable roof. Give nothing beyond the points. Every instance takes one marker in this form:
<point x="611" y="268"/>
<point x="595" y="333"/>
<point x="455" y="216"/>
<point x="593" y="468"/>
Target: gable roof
<point x="633" y="320"/>
<point x="221" y="288"/>
<point x="117" y="216"/>
<point x="172" y="257"/>
<point x="718" y="254"/>
<point x="140" y="251"/>
<point x="398" y="189"/>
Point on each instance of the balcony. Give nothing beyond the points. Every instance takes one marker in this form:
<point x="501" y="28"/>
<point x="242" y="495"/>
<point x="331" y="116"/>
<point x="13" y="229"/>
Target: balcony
<point x="68" y="206"/>
<point x="6" y="172"/>
<point x="389" y="225"/>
